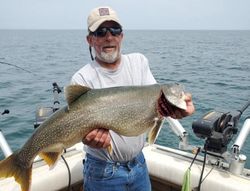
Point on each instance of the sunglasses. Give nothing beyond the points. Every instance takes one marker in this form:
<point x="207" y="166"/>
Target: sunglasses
<point x="101" y="32"/>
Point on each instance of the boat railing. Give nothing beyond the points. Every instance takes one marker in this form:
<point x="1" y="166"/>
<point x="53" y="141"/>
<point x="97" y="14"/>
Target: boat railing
<point x="3" y="143"/>
<point x="238" y="160"/>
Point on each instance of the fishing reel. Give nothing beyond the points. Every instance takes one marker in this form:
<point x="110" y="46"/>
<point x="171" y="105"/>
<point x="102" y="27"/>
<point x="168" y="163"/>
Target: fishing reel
<point x="218" y="128"/>
<point x="6" y="111"/>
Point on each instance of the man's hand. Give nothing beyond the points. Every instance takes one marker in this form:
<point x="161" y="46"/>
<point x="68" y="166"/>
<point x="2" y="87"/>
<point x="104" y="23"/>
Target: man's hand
<point x="97" y="138"/>
<point x="178" y="113"/>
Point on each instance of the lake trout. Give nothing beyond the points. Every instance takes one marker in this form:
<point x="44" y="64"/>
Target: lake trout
<point x="127" y="110"/>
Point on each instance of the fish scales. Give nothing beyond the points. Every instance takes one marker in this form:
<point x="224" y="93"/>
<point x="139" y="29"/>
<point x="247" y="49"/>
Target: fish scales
<point x="128" y="110"/>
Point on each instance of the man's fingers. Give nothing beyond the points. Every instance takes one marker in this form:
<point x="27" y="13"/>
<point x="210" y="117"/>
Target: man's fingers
<point x="90" y="136"/>
<point x="102" y="138"/>
<point x="97" y="138"/>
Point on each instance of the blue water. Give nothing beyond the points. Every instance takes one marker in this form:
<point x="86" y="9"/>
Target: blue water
<point x="213" y="65"/>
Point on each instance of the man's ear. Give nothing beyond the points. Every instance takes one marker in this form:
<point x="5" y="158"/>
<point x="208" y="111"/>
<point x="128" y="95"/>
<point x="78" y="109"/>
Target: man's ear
<point x="90" y="40"/>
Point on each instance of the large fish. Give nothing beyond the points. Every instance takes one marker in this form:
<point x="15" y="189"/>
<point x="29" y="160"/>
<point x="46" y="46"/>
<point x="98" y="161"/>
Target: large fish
<point x="128" y="110"/>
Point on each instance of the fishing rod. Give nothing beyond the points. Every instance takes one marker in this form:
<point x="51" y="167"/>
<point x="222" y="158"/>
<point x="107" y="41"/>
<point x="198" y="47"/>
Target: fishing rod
<point x="43" y="113"/>
<point x="13" y="65"/>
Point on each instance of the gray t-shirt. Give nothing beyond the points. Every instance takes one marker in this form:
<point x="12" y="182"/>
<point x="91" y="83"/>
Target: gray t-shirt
<point x="133" y="70"/>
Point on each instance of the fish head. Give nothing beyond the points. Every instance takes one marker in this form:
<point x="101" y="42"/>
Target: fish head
<point x="171" y="97"/>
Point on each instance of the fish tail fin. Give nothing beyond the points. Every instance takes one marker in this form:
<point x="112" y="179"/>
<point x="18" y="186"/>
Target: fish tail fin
<point x="10" y="168"/>
<point x="154" y="132"/>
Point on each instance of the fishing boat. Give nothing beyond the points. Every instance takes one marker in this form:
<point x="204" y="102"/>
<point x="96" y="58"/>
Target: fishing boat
<point x="166" y="166"/>
<point x="211" y="167"/>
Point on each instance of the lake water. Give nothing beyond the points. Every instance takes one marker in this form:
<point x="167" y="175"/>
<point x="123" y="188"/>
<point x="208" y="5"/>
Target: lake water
<point x="213" y="65"/>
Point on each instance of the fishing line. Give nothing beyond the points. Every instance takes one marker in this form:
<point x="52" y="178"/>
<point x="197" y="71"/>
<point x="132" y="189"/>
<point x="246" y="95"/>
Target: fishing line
<point x="28" y="71"/>
<point x="203" y="167"/>
<point x="207" y="174"/>
<point x="197" y="152"/>
<point x="69" y="173"/>
<point x="9" y="64"/>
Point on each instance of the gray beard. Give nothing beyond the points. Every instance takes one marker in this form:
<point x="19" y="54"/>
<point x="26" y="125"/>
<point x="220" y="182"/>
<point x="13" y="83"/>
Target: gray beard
<point x="109" y="58"/>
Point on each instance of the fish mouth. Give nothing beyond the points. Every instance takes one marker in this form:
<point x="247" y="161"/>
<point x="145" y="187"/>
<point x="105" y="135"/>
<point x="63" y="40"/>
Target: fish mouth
<point x="165" y="107"/>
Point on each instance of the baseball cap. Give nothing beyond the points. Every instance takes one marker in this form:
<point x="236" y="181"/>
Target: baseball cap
<point x="99" y="15"/>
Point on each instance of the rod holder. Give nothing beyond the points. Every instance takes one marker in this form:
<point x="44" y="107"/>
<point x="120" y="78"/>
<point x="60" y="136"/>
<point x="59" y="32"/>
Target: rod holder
<point x="4" y="145"/>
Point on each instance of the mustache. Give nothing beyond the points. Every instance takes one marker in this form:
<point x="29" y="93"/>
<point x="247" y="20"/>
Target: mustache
<point x="108" y="46"/>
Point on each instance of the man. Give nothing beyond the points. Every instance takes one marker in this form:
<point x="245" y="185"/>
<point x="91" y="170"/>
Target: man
<point x="124" y="168"/>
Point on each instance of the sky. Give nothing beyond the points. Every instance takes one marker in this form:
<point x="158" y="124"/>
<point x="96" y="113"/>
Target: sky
<point x="134" y="14"/>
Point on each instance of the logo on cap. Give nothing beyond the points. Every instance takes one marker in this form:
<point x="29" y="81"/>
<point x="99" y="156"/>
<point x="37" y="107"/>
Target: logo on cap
<point x="103" y="11"/>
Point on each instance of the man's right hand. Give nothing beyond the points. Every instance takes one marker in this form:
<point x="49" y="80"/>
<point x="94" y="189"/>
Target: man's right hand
<point x="98" y="138"/>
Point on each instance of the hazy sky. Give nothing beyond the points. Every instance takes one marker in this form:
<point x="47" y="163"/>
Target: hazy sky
<point x="134" y="14"/>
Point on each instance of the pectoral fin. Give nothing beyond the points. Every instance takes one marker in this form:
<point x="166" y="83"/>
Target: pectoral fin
<point x="154" y="132"/>
<point x="50" y="157"/>
<point x="110" y="150"/>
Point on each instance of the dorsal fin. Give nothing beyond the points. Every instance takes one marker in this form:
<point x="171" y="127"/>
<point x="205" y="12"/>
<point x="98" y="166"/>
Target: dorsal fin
<point x="73" y="92"/>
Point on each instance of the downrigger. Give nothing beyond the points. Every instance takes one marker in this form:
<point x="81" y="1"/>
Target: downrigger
<point x="218" y="129"/>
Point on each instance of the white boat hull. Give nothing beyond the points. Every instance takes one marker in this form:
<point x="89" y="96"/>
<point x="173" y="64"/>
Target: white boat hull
<point x="169" y="165"/>
<point x="166" y="166"/>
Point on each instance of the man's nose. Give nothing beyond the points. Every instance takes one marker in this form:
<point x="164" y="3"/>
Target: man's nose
<point x="108" y="35"/>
